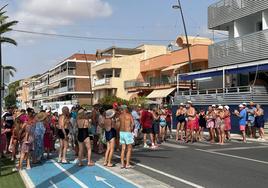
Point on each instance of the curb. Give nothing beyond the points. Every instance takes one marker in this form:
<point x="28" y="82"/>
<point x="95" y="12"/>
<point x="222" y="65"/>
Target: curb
<point x="26" y="179"/>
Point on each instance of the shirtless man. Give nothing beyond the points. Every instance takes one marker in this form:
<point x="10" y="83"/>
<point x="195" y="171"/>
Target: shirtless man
<point x="126" y="137"/>
<point x="191" y="121"/>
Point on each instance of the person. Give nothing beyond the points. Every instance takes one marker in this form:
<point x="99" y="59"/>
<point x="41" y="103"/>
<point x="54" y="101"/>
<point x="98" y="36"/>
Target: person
<point x="54" y="125"/>
<point x="110" y="135"/>
<point x="93" y="130"/>
<point x="260" y="121"/>
<point x="126" y="137"/>
<point x="136" y="117"/>
<point x="180" y="115"/>
<point x="242" y="114"/>
<point x="202" y="123"/>
<point x="147" y="125"/>
<point x="221" y="125"/>
<point x="191" y="121"/>
<point x="101" y="131"/>
<point x="251" y="119"/>
<point x="83" y="124"/>
<point x="39" y="131"/>
<point x="73" y="130"/>
<point x="63" y="132"/>
<point x="25" y="139"/>
<point x="116" y="126"/>
<point x="210" y="118"/>
<point x="227" y="122"/>
<point x="168" y="113"/>
<point x="163" y="124"/>
<point x="3" y="139"/>
<point x="9" y="123"/>
<point x="155" y="127"/>
<point x="48" y="136"/>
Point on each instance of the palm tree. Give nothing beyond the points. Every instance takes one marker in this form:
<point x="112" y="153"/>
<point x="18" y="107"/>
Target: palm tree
<point x="5" y="27"/>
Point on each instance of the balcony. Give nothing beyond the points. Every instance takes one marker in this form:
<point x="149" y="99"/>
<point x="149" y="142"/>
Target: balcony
<point x="229" y="96"/>
<point x="252" y="47"/>
<point x="61" y="90"/>
<point x="62" y="75"/>
<point x="101" y="61"/>
<point x="226" y="11"/>
<point x="155" y="83"/>
<point x="107" y="83"/>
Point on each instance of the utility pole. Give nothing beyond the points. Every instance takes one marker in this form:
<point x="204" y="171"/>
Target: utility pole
<point x="186" y="36"/>
<point x="90" y="79"/>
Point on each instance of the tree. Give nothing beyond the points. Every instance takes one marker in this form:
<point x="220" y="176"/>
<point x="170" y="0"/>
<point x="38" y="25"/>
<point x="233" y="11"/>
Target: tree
<point x="11" y="99"/>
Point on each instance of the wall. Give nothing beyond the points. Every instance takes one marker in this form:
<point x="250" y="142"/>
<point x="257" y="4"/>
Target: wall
<point x="82" y="69"/>
<point x="82" y="84"/>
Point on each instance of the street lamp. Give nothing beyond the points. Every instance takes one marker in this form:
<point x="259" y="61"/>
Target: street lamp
<point x="178" y="6"/>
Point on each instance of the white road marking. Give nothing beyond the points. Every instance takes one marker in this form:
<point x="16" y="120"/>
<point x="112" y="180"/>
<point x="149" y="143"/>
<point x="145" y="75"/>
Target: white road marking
<point x="103" y="180"/>
<point x="26" y="179"/>
<point x="174" y="145"/>
<point x="166" y="174"/>
<point x="233" y="156"/>
<point x="70" y="175"/>
<point x="53" y="184"/>
<point x="238" y="148"/>
<point x="118" y="175"/>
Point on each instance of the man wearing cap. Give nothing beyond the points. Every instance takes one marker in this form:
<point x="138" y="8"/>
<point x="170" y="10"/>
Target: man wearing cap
<point x="251" y="119"/>
<point x="126" y="137"/>
<point x="242" y="114"/>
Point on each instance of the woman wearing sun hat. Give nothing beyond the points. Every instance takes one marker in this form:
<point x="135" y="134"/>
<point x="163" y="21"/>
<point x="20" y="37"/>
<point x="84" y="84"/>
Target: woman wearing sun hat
<point x="39" y="137"/>
<point x="83" y="124"/>
<point x="110" y="135"/>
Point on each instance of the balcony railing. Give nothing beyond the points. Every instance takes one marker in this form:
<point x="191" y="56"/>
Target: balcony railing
<point x="154" y="82"/>
<point x="226" y="11"/>
<point x="100" y="82"/>
<point x="62" y="75"/>
<point x="229" y="96"/>
<point x="61" y="90"/>
<point x="244" y="49"/>
<point x="101" y="61"/>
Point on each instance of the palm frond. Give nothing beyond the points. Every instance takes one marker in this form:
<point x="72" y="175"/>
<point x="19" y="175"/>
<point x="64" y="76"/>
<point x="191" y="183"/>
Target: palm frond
<point x="2" y="8"/>
<point x="9" y="68"/>
<point x="8" y="40"/>
<point x="6" y="27"/>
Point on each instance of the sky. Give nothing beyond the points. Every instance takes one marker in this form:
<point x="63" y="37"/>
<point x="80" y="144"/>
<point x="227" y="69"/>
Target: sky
<point x="130" y="19"/>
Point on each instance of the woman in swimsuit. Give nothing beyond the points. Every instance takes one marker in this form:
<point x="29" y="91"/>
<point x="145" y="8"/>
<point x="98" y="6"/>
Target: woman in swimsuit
<point x="210" y="117"/>
<point x="110" y="135"/>
<point x="180" y="115"/>
<point x="64" y="124"/>
<point x="259" y="121"/>
<point x="83" y="124"/>
<point x="221" y="116"/>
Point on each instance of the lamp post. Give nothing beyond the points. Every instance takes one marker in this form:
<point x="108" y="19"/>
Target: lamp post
<point x="178" y="6"/>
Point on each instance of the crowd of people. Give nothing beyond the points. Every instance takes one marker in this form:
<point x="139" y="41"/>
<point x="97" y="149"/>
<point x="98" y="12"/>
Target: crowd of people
<point x="35" y="136"/>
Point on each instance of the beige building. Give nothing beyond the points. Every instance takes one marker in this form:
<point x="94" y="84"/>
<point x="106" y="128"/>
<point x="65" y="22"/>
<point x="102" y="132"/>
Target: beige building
<point x="119" y="64"/>
<point x="23" y="93"/>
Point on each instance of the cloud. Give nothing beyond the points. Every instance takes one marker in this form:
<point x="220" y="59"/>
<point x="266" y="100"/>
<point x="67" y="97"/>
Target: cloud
<point x="50" y="15"/>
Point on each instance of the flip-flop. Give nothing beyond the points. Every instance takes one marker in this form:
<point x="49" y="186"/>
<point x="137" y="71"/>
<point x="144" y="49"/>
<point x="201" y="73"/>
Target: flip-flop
<point x="91" y="164"/>
<point x="105" y="164"/>
<point x="80" y="165"/>
<point x="129" y="167"/>
<point x="113" y="165"/>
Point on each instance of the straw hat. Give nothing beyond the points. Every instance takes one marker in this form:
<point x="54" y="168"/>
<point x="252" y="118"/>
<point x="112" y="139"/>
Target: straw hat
<point x="109" y="113"/>
<point x="41" y="116"/>
<point x="251" y="103"/>
<point x="181" y="104"/>
<point x="220" y="107"/>
<point x="189" y="102"/>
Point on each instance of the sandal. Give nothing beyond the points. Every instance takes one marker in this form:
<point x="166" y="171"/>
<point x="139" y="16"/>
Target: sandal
<point x="64" y="162"/>
<point x="91" y="164"/>
<point x="129" y="166"/>
<point x="113" y="165"/>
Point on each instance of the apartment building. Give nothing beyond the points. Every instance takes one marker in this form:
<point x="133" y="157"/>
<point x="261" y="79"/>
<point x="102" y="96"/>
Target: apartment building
<point x="115" y="65"/>
<point x="22" y="93"/>
<point x="238" y="66"/>
<point x="67" y="83"/>
<point x="158" y="75"/>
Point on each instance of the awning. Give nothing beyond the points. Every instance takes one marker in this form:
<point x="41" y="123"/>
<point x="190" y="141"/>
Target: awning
<point x="56" y="84"/>
<point x="174" y="67"/>
<point x="232" y="69"/>
<point x="160" y="93"/>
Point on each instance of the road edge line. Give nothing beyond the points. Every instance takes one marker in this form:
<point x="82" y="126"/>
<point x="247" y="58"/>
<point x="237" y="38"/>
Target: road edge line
<point x="233" y="156"/>
<point x="26" y="179"/>
<point x="166" y="174"/>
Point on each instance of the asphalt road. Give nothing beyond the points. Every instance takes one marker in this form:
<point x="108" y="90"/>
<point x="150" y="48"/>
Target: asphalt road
<point x="206" y="165"/>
